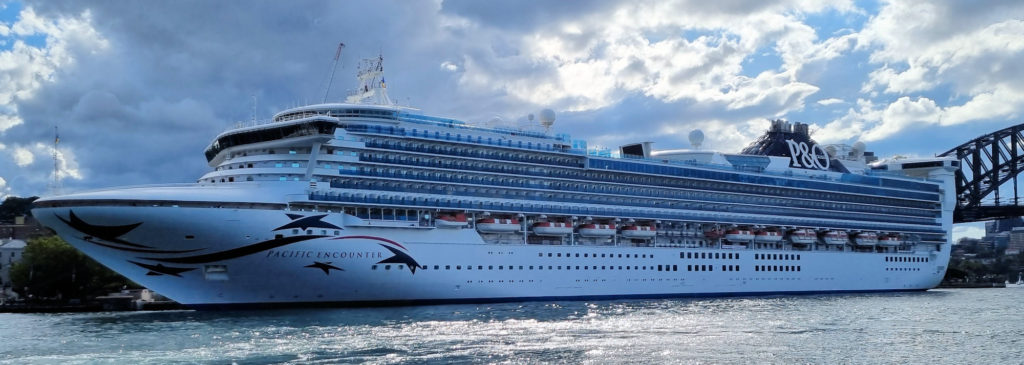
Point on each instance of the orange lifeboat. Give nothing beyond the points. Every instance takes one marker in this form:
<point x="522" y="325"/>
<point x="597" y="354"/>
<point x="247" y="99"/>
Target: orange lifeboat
<point x="768" y="236"/>
<point x="597" y="230"/>
<point x="739" y="235"/>
<point x="457" y="220"/>
<point x="552" y="228"/>
<point x="639" y="231"/>
<point x="837" y="238"/>
<point x="497" y="225"/>
<point x="803" y="236"/>
<point x="866" y="239"/>
<point x="890" y="240"/>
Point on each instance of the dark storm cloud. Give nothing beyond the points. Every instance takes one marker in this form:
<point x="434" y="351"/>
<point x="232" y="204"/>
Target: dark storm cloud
<point x="176" y="74"/>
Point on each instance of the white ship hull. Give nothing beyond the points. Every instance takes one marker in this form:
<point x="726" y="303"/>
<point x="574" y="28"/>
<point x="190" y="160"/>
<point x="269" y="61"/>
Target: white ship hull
<point x="238" y="261"/>
<point x="346" y="204"/>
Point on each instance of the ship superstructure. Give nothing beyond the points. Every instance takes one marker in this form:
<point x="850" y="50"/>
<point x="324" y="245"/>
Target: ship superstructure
<point x="353" y="203"/>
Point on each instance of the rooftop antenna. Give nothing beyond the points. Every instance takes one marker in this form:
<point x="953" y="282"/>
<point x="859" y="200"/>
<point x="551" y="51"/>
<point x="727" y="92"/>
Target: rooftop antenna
<point x="334" y="67"/>
<point x="254" y="107"/>
<point x="55" y="189"/>
<point x="371" y="83"/>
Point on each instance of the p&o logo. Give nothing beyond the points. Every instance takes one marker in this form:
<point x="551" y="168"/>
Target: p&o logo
<point x="809" y="157"/>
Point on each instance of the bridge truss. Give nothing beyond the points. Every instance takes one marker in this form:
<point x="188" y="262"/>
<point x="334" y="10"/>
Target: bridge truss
<point x="986" y="164"/>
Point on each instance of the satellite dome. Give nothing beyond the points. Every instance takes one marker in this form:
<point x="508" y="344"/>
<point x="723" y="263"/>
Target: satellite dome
<point x="496" y="122"/>
<point x="547" y="117"/>
<point x="696" y="138"/>
<point x="530" y="117"/>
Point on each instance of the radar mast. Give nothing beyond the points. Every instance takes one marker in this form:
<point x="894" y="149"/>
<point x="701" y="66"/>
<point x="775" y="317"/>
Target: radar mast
<point x="372" y="87"/>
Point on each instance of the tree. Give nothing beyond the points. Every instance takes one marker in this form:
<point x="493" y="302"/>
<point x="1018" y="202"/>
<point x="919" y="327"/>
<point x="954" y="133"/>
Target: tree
<point x="51" y="268"/>
<point x="14" y="206"/>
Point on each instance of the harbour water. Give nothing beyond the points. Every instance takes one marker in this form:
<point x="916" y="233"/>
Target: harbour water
<point x="954" y="326"/>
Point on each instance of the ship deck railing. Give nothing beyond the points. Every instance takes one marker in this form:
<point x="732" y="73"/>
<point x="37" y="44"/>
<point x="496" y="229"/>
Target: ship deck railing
<point x="563" y="209"/>
<point x="870" y="177"/>
<point x="734" y="204"/>
<point x="529" y="145"/>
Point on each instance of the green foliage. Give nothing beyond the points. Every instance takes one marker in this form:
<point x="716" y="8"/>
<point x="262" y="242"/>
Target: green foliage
<point x="14" y="206"/>
<point x="52" y="268"/>
<point x="996" y="268"/>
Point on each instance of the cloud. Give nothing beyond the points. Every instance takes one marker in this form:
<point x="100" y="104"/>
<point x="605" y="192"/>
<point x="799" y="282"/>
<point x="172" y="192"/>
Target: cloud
<point x="830" y="101"/>
<point x="137" y="97"/>
<point x="22" y="156"/>
<point x="449" y="66"/>
<point x="973" y="230"/>
<point x="975" y="52"/>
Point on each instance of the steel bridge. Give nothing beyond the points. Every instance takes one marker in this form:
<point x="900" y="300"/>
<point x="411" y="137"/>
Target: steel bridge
<point x="986" y="164"/>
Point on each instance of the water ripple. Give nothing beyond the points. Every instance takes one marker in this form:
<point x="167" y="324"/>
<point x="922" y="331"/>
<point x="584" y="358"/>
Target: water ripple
<point x="945" y="326"/>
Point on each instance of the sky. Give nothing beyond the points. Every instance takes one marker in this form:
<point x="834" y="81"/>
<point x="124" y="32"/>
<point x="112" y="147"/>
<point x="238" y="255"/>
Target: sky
<point x="138" y="89"/>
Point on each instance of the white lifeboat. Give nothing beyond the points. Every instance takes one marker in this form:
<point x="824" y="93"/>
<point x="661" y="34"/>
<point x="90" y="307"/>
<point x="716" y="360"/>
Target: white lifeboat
<point x="866" y="239"/>
<point x="768" y="236"/>
<point x="637" y="231"/>
<point x="597" y="230"/>
<point x="552" y="228"/>
<point x="497" y="225"/>
<point x="837" y="238"/>
<point x="457" y="220"/>
<point x="890" y="240"/>
<point x="739" y="235"/>
<point x="803" y="236"/>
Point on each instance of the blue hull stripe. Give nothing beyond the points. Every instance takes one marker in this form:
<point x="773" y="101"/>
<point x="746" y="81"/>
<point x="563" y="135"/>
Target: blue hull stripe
<point x="393" y="303"/>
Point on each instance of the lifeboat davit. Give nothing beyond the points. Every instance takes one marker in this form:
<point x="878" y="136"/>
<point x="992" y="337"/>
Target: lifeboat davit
<point x="837" y="238"/>
<point x="713" y="234"/>
<point x="767" y="236"/>
<point x="637" y="231"/>
<point x="597" y="230"/>
<point x="457" y="220"/>
<point x="866" y="239"/>
<point x="497" y="225"/>
<point x="739" y="235"/>
<point x="552" y="228"/>
<point x="890" y="240"/>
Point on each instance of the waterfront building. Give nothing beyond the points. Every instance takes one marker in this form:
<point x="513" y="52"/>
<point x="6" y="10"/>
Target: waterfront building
<point x="11" y="252"/>
<point x="1015" y="243"/>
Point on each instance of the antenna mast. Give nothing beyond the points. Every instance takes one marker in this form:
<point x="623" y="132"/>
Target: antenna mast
<point x="334" y="67"/>
<point x="56" y="164"/>
<point x="254" y="107"/>
<point x="371" y="83"/>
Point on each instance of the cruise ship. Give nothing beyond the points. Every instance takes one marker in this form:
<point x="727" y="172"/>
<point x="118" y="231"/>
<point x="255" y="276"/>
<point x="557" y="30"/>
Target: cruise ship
<point x="369" y="203"/>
